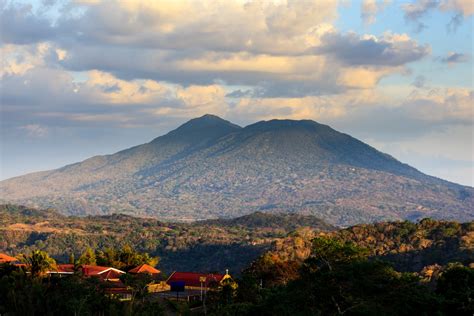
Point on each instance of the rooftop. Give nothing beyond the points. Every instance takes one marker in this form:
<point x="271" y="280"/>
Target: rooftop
<point x="6" y="258"/>
<point x="145" y="268"/>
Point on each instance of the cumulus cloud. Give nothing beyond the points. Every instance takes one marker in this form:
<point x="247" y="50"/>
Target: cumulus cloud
<point x="454" y="58"/>
<point x="418" y="113"/>
<point x="17" y="59"/>
<point x="265" y="27"/>
<point x="465" y="7"/>
<point x="417" y="10"/>
<point x="281" y="49"/>
<point x="55" y="97"/>
<point x="128" y="63"/>
<point x="442" y="105"/>
<point x="370" y="9"/>
<point x="389" y="50"/>
<point x="461" y="9"/>
<point x="20" y="25"/>
<point x="414" y="12"/>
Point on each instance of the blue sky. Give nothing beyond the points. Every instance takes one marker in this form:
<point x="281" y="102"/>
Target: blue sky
<point x="83" y="78"/>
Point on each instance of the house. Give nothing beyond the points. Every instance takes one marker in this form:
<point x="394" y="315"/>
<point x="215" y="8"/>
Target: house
<point x="62" y="270"/>
<point x="87" y="271"/>
<point x="4" y="258"/>
<point x="109" y="277"/>
<point x="198" y="281"/>
<point x="191" y="286"/>
<point x="145" y="269"/>
<point x="103" y="273"/>
<point x="158" y="285"/>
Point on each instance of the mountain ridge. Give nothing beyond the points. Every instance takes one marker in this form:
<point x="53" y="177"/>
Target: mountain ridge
<point x="209" y="168"/>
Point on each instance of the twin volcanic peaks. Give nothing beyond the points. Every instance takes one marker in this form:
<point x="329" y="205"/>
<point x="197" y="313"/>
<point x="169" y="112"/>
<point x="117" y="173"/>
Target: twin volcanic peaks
<point x="209" y="167"/>
<point x="212" y="123"/>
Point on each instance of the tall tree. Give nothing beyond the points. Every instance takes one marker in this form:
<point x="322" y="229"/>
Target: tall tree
<point x="88" y="257"/>
<point x="38" y="263"/>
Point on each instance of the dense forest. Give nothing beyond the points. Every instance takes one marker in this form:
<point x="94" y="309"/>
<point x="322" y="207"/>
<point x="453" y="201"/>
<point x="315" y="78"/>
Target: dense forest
<point x="213" y="245"/>
<point x="341" y="278"/>
<point x="216" y="245"/>
<point x="282" y="264"/>
<point x="336" y="278"/>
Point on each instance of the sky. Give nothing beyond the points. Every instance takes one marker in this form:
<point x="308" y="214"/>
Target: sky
<point x="85" y="77"/>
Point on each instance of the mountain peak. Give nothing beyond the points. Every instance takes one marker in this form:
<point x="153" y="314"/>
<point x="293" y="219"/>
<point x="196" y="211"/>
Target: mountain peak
<point x="210" y="117"/>
<point x="285" y="124"/>
<point x="209" y="120"/>
<point x="202" y="129"/>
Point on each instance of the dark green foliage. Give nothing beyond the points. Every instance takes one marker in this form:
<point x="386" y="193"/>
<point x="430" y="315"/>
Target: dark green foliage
<point x="456" y="286"/>
<point x="328" y="252"/>
<point x="88" y="257"/>
<point x="125" y="258"/>
<point x="38" y="262"/>
<point x="412" y="246"/>
<point x="24" y="295"/>
<point x="339" y="279"/>
<point x="287" y="222"/>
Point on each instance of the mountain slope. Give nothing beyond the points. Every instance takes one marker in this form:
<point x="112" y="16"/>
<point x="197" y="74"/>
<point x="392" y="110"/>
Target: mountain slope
<point x="210" y="168"/>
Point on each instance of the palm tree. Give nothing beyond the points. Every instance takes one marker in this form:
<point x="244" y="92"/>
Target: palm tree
<point x="38" y="262"/>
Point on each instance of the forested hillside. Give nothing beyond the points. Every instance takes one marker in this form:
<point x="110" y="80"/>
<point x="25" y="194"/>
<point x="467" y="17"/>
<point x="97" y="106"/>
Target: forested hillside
<point x="219" y="244"/>
<point x="202" y="246"/>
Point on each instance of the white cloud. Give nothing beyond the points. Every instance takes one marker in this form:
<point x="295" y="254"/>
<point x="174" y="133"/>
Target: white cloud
<point x="454" y="58"/>
<point x="35" y="130"/>
<point x="370" y="9"/>
<point x="281" y="48"/>
<point x="416" y="11"/>
<point x="465" y="7"/>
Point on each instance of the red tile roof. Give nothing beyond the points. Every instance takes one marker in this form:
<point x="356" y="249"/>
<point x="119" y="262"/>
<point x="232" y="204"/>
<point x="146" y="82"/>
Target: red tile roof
<point x="6" y="258"/>
<point x="88" y="270"/>
<point x="193" y="278"/>
<point x="110" y="275"/>
<point x="104" y="273"/>
<point x="145" y="268"/>
<point x="64" y="268"/>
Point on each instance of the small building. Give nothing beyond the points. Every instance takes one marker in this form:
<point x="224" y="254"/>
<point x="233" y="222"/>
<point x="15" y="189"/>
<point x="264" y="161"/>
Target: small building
<point x="198" y="281"/>
<point x="192" y="286"/>
<point x="62" y="270"/>
<point x="104" y="273"/>
<point x="4" y="258"/>
<point x="88" y="271"/>
<point x="108" y="276"/>
<point x="145" y="269"/>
